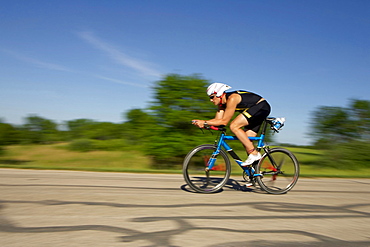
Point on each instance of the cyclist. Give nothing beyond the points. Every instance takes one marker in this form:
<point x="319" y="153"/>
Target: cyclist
<point x="253" y="111"/>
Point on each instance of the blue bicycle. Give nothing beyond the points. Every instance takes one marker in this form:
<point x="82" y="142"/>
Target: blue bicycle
<point x="207" y="167"/>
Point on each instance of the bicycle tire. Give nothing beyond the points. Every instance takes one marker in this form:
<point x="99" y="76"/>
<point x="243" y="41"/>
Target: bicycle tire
<point x="280" y="170"/>
<point x="196" y="174"/>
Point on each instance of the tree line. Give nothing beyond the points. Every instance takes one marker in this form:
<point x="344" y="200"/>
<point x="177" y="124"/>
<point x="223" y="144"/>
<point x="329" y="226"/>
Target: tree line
<point x="163" y="131"/>
<point x="344" y="132"/>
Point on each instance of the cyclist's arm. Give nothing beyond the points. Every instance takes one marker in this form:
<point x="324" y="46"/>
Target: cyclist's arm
<point x="223" y="116"/>
<point x="219" y="114"/>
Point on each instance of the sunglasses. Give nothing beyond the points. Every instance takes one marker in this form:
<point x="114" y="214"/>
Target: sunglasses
<point x="212" y="96"/>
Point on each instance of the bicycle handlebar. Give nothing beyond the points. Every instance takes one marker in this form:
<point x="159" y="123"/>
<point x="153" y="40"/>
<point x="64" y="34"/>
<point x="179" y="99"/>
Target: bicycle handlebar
<point x="218" y="128"/>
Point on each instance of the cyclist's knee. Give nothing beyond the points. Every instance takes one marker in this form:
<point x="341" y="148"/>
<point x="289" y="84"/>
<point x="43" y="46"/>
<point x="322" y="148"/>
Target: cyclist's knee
<point x="235" y="127"/>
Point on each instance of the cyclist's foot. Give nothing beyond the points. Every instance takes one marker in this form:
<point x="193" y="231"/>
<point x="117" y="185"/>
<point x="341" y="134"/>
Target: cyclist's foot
<point x="251" y="159"/>
<point x="249" y="185"/>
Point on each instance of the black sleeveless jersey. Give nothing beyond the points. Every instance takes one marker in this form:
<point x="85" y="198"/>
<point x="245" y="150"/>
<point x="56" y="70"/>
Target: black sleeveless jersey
<point x="248" y="99"/>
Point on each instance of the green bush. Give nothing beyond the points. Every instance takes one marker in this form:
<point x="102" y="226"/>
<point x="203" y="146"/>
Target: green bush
<point x="81" y="145"/>
<point x="86" y="145"/>
<point x="111" y="145"/>
<point x="349" y="155"/>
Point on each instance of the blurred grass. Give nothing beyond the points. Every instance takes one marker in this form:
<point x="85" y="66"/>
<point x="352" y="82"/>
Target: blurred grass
<point x="57" y="157"/>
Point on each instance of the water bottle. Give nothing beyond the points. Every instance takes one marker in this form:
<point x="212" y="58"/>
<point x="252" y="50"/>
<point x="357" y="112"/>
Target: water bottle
<point x="278" y="123"/>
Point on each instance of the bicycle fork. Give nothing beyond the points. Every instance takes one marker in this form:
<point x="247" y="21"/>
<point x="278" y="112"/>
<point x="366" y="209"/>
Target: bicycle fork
<point x="249" y="170"/>
<point x="212" y="160"/>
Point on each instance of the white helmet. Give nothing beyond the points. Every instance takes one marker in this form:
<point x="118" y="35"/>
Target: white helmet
<point x="217" y="88"/>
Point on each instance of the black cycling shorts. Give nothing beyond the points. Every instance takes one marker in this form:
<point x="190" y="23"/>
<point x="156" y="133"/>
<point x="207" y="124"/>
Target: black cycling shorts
<point x="256" y="115"/>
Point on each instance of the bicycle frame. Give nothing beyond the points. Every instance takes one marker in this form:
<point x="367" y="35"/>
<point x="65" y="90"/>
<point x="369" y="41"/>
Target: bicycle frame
<point x="221" y="143"/>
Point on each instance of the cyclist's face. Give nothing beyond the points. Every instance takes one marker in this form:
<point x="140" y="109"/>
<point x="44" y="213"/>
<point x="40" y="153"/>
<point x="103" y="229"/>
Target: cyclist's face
<point x="214" y="99"/>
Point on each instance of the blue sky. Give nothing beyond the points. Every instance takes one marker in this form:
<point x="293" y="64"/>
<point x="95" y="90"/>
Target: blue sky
<point x="65" y="60"/>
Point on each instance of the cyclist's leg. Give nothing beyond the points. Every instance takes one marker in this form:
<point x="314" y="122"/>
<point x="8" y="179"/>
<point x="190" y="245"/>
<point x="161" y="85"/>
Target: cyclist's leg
<point x="251" y="127"/>
<point x="256" y="115"/>
<point x="236" y="126"/>
<point x="250" y="133"/>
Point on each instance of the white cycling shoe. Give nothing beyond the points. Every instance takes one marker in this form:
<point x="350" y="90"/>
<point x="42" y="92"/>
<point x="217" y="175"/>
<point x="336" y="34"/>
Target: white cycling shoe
<point x="251" y="159"/>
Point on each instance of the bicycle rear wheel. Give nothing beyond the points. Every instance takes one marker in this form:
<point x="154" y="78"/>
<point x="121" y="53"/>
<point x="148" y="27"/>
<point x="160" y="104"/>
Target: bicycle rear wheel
<point x="280" y="170"/>
<point x="196" y="173"/>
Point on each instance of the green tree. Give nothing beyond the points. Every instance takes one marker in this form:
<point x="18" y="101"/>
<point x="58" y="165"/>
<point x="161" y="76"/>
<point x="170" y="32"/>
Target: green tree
<point x="339" y="124"/>
<point x="78" y="127"/>
<point x="139" y="126"/>
<point x="333" y="124"/>
<point x="177" y="100"/>
<point x="90" y="129"/>
<point x="360" y="110"/>
<point x="344" y="133"/>
<point x="39" y="130"/>
<point x="104" y="131"/>
<point x="8" y="134"/>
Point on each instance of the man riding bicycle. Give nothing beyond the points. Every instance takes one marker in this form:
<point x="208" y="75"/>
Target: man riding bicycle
<point x="253" y="111"/>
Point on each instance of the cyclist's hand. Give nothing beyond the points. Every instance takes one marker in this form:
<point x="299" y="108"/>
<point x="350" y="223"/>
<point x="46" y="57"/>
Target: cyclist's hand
<point x="199" y="123"/>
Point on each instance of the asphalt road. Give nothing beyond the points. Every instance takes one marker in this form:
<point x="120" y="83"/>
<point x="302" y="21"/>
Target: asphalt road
<point x="67" y="208"/>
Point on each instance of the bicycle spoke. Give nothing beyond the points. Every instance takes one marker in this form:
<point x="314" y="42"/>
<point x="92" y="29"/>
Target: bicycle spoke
<point x="280" y="171"/>
<point x="196" y="172"/>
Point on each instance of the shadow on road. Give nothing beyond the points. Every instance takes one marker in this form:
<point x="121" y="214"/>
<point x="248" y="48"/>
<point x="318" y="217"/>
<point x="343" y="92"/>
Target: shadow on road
<point x="184" y="223"/>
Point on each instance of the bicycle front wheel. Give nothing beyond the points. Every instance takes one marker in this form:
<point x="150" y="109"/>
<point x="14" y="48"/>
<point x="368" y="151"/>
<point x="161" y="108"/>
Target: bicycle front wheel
<point x="196" y="172"/>
<point x="280" y="171"/>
